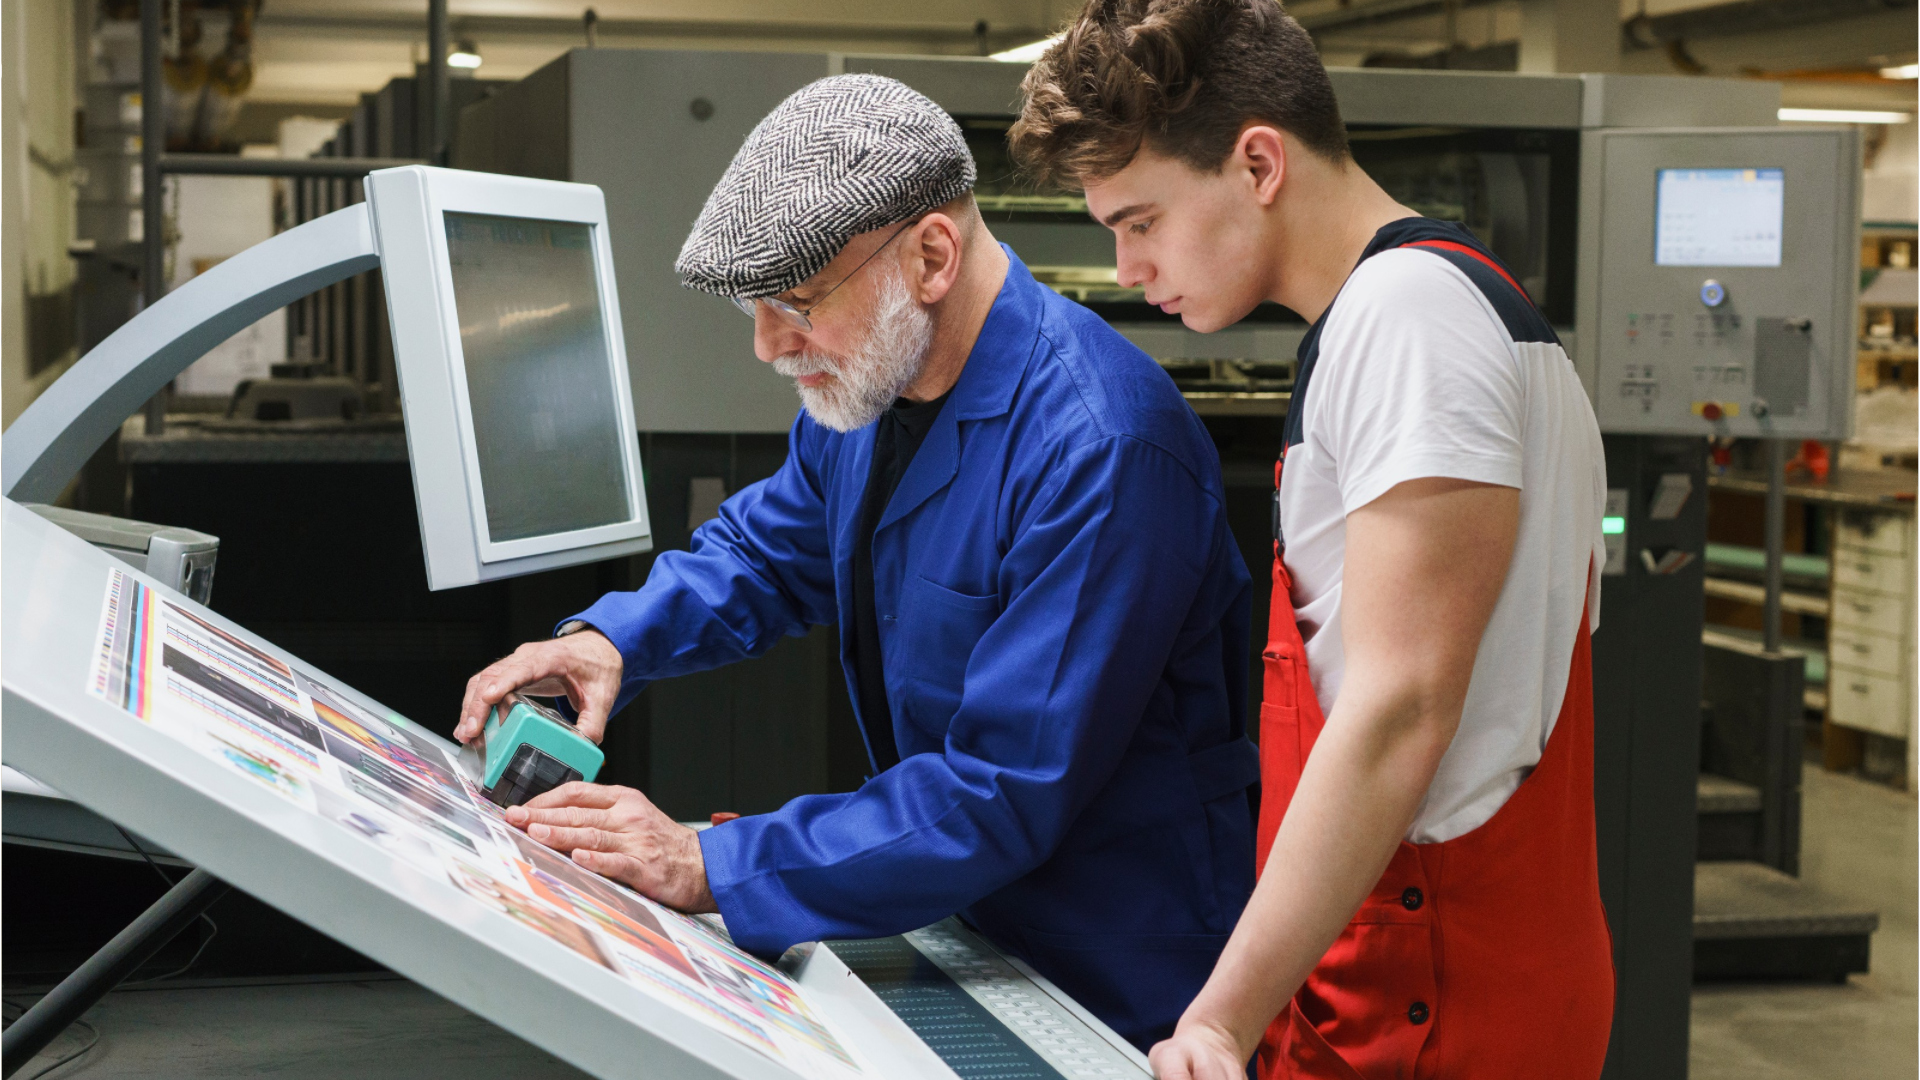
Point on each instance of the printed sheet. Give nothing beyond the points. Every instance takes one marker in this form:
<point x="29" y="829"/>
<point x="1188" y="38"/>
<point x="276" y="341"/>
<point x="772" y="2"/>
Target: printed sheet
<point x="401" y="789"/>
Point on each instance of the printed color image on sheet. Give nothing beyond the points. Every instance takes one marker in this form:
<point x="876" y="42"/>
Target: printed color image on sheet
<point x="411" y="797"/>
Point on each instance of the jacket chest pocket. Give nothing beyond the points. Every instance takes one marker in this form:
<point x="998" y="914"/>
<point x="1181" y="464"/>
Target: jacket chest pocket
<point x="936" y="634"/>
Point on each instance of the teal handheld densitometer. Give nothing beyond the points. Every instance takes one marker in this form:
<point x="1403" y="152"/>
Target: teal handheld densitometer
<point x="534" y="750"/>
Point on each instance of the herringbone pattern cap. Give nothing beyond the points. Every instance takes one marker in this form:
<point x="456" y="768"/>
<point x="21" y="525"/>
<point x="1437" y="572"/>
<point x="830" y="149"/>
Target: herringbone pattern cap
<point x="842" y="156"/>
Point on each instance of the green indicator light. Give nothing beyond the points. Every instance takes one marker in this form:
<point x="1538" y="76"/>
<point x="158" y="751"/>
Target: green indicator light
<point x="1613" y="526"/>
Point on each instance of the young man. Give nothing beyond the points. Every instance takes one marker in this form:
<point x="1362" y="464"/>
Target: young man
<point x="1020" y="530"/>
<point x="1429" y="905"/>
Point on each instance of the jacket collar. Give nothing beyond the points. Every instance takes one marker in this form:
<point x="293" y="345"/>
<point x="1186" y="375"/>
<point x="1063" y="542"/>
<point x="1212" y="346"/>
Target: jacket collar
<point x="992" y="374"/>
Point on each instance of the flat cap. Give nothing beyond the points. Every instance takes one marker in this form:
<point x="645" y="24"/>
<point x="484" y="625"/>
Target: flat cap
<point x="842" y="156"/>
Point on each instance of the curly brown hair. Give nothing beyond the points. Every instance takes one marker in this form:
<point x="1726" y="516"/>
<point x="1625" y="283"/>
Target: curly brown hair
<point x="1180" y="77"/>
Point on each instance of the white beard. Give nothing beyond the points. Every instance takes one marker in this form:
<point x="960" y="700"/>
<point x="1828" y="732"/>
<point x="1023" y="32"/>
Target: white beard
<point x="887" y="361"/>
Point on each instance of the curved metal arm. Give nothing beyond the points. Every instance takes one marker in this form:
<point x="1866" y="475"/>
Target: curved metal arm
<point x="49" y="443"/>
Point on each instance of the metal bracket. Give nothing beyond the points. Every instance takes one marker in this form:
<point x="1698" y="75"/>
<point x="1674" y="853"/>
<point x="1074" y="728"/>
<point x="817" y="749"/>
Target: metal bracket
<point x="53" y="438"/>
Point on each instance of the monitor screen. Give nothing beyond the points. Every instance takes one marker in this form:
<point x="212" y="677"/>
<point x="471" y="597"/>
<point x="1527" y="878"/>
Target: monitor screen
<point x="540" y="381"/>
<point x="1719" y="217"/>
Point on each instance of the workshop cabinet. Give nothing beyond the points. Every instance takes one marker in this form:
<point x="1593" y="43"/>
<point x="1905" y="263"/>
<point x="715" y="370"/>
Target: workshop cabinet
<point x="1871" y="643"/>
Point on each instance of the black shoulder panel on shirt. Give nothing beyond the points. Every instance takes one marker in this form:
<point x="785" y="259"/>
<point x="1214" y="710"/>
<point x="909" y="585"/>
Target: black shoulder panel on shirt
<point x="1455" y="243"/>
<point x="1305" y="359"/>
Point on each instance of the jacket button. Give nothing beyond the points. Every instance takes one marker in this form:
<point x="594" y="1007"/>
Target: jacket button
<point x="1417" y="1012"/>
<point x="1411" y="899"/>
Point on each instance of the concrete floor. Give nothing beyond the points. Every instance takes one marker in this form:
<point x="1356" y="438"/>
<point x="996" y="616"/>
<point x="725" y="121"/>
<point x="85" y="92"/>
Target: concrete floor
<point x="387" y="1029"/>
<point x="1858" y="842"/>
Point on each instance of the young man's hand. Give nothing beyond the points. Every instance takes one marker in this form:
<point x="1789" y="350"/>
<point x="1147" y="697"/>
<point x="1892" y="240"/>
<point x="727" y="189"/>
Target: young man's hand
<point x="618" y="833"/>
<point x="1198" y="1051"/>
<point x="584" y="666"/>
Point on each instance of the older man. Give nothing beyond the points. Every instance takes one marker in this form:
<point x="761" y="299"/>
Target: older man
<point x="1018" y="526"/>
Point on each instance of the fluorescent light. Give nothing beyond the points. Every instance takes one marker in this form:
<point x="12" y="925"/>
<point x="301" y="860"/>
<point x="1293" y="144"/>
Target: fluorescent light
<point x="1028" y="53"/>
<point x="464" y="55"/>
<point x="1904" y="71"/>
<point x="1844" y="116"/>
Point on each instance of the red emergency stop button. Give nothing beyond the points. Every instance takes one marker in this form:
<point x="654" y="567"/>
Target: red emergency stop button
<point x="1711" y="410"/>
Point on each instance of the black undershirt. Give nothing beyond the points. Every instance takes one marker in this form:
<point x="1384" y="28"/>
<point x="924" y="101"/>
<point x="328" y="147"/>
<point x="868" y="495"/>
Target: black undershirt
<point x="901" y="430"/>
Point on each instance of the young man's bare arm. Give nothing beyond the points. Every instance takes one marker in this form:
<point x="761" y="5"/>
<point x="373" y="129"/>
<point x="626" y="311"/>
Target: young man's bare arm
<point x="1424" y="567"/>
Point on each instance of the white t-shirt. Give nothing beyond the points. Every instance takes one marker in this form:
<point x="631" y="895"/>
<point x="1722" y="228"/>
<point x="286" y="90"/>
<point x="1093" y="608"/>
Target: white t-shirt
<point x="1417" y="376"/>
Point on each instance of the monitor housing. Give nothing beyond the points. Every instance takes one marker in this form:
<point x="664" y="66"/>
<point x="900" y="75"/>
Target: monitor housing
<point x="512" y="370"/>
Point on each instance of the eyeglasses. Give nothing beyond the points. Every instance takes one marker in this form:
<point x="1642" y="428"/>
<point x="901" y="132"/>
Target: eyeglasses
<point x="800" y="318"/>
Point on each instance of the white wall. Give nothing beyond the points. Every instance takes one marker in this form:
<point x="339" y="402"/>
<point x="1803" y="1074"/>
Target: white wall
<point x="13" y="206"/>
<point x="36" y="157"/>
<point x="1893" y="179"/>
<point x="218" y="217"/>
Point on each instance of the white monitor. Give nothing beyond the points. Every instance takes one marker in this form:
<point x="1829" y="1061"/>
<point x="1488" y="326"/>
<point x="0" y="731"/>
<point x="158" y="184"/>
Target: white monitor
<point x="512" y="371"/>
<point x="1719" y="217"/>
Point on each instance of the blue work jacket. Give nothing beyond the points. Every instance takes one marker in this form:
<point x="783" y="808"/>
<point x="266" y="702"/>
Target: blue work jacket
<point x="1063" y="619"/>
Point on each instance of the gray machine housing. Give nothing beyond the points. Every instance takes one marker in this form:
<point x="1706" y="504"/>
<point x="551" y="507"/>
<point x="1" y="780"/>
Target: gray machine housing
<point x="655" y="129"/>
<point x="182" y="559"/>
<point x="1774" y="358"/>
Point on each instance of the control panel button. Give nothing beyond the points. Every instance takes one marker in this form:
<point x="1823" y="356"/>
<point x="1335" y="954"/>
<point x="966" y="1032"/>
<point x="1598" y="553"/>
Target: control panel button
<point x="1716" y="410"/>
<point x="1712" y="293"/>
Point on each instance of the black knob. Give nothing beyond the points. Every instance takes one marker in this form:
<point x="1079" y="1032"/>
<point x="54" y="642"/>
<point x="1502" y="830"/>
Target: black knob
<point x="1411" y="899"/>
<point x="1417" y="1012"/>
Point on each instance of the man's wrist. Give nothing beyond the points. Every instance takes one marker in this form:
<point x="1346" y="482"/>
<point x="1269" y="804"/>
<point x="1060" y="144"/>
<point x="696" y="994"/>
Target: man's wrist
<point x="703" y="900"/>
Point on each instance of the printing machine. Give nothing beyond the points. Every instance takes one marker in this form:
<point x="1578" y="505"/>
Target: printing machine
<point x="1556" y="173"/>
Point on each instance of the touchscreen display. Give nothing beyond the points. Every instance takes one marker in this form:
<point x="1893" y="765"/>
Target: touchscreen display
<point x="540" y="380"/>
<point x="1719" y="217"/>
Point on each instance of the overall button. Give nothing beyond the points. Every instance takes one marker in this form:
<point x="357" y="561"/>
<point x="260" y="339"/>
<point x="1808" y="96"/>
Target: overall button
<point x="1412" y="899"/>
<point x="1417" y="1012"/>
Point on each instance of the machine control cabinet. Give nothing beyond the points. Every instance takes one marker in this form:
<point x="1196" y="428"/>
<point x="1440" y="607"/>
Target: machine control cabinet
<point x="1720" y="295"/>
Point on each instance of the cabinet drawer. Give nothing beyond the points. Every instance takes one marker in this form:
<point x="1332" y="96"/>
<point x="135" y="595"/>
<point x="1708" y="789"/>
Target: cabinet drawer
<point x="1873" y="571"/>
<point x="1871" y="612"/>
<point x="1889" y="534"/>
<point x="1866" y="652"/>
<point x="1873" y="703"/>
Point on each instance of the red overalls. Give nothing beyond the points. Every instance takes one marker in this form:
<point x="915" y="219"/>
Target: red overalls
<point x="1479" y="958"/>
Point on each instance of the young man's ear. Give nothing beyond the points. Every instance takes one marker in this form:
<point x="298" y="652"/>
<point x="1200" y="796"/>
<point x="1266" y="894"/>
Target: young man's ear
<point x="1261" y="156"/>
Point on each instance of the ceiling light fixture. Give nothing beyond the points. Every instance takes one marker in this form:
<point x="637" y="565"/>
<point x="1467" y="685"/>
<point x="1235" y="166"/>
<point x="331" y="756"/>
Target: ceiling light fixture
<point x="1844" y="116"/>
<point x="1904" y="71"/>
<point x="465" y="55"/>
<point x="1028" y="53"/>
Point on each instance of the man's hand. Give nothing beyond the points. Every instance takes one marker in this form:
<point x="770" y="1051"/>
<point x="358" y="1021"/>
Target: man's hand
<point x="618" y="833"/>
<point x="583" y="666"/>
<point x="1198" y="1051"/>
